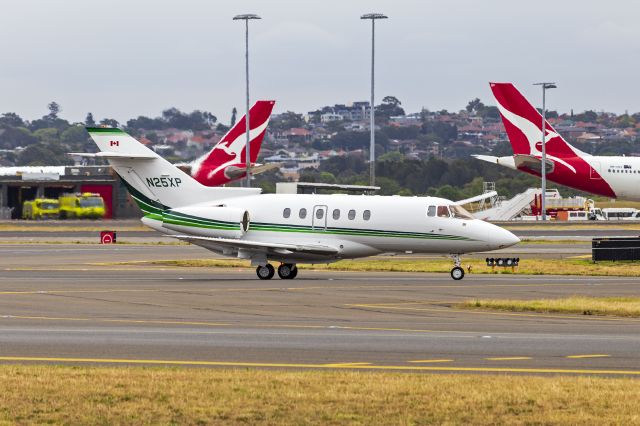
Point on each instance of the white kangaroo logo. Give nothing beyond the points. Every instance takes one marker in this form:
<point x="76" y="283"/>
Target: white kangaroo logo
<point x="234" y="148"/>
<point x="533" y="134"/>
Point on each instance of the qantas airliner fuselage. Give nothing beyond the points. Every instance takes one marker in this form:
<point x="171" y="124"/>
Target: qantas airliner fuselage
<point x="609" y="176"/>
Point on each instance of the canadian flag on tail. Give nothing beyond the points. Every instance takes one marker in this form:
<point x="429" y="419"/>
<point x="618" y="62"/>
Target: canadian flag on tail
<point x="227" y="160"/>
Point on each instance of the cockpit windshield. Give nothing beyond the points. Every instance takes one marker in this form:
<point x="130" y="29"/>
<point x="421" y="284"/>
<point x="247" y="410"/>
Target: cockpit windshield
<point x="454" y="211"/>
<point x="443" y="211"/>
<point x="459" y="212"/>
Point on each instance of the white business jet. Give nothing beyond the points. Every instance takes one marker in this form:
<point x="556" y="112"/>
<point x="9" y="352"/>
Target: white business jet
<point x="291" y="228"/>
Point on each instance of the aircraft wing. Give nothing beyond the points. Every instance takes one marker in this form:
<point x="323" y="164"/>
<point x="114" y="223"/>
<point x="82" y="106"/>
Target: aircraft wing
<point x="258" y="246"/>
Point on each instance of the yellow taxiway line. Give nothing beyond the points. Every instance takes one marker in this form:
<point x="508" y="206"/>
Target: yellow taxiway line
<point x="509" y="358"/>
<point x="589" y="356"/>
<point x="352" y="366"/>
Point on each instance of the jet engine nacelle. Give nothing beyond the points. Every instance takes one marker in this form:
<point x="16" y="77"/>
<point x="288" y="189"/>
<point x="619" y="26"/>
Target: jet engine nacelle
<point x="224" y="222"/>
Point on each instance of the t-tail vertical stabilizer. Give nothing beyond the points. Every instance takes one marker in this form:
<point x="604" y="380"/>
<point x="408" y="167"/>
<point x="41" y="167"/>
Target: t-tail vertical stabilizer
<point x="153" y="182"/>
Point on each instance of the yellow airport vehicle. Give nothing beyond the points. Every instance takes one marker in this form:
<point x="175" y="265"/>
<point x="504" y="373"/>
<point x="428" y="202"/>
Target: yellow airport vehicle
<point x="41" y="208"/>
<point x="85" y="205"/>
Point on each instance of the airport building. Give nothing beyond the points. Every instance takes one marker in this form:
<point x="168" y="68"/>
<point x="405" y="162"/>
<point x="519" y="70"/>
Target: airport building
<point x="20" y="184"/>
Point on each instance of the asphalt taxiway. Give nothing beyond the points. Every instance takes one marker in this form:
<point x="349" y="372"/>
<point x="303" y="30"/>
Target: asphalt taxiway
<point x="67" y="303"/>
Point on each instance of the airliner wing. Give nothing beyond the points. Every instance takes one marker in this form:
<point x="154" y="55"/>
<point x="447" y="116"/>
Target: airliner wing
<point x="258" y="246"/>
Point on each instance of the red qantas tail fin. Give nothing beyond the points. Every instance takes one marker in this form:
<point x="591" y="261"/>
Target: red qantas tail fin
<point x="232" y="147"/>
<point x="523" y="124"/>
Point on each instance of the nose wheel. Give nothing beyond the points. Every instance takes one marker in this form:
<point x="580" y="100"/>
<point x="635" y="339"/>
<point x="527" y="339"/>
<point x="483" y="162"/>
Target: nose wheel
<point x="287" y="271"/>
<point x="457" y="273"/>
<point x="265" y="272"/>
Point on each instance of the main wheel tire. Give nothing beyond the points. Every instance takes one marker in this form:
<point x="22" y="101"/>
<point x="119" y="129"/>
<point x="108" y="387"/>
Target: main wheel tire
<point x="457" y="273"/>
<point x="287" y="271"/>
<point x="265" y="272"/>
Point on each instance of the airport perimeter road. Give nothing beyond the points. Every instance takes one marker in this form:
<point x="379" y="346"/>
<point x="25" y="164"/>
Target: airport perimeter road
<point x="55" y="306"/>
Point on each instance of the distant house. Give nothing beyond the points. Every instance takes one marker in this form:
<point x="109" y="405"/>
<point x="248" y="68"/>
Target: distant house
<point x="405" y="120"/>
<point x="328" y="117"/>
<point x="296" y="134"/>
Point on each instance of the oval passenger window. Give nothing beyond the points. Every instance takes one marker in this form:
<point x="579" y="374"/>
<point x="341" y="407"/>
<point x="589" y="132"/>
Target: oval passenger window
<point x="303" y="213"/>
<point x="286" y="213"/>
<point x="352" y="214"/>
<point x="366" y="215"/>
<point x="319" y="213"/>
<point x="336" y="214"/>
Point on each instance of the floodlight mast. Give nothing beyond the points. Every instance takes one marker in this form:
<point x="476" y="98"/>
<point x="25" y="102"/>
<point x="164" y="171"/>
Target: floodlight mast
<point x="246" y="18"/>
<point x="543" y="169"/>
<point x="372" y="142"/>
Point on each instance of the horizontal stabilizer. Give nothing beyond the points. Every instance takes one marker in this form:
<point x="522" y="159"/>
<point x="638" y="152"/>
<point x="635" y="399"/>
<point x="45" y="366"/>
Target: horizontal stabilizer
<point x="523" y="161"/>
<point x="503" y="161"/>
<point x="115" y="155"/>
<point x="258" y="245"/>
<point x="235" y="172"/>
<point x="257" y="169"/>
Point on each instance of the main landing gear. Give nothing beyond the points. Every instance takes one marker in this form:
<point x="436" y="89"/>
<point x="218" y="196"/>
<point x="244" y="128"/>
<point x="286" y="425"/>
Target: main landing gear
<point x="286" y="271"/>
<point x="457" y="273"/>
<point x="265" y="272"/>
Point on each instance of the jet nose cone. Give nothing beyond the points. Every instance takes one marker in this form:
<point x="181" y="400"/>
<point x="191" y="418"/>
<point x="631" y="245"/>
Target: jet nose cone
<point x="506" y="238"/>
<point x="501" y="238"/>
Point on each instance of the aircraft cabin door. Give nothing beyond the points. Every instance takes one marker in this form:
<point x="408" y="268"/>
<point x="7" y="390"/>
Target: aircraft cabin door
<point x="594" y="170"/>
<point x="319" y="220"/>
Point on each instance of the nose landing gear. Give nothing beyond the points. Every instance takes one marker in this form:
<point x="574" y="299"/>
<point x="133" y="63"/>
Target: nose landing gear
<point x="457" y="273"/>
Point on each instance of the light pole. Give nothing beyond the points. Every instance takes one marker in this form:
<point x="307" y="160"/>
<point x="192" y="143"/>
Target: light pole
<point x="372" y="143"/>
<point x="543" y="173"/>
<point x="246" y="18"/>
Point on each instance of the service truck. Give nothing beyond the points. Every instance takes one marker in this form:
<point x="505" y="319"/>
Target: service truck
<point x="85" y="205"/>
<point x="41" y="208"/>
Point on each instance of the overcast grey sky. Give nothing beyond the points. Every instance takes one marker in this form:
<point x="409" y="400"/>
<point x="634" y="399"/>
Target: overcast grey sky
<point x="121" y="59"/>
